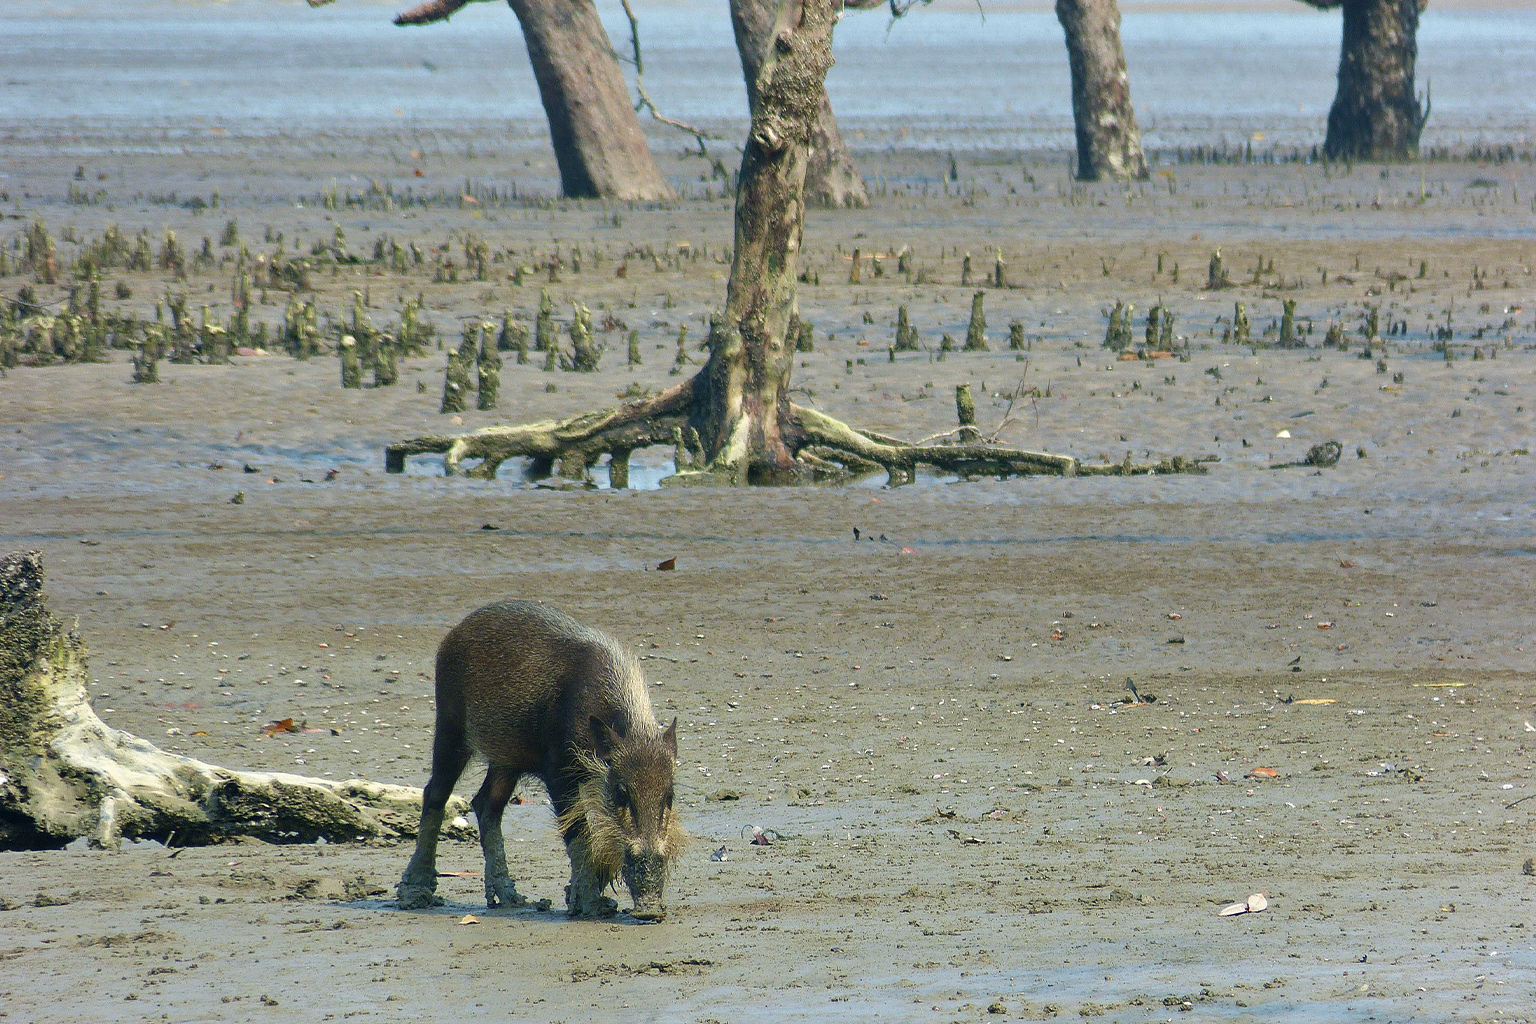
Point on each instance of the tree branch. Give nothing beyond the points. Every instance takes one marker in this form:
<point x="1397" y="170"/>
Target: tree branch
<point x="431" y="11"/>
<point x="646" y="103"/>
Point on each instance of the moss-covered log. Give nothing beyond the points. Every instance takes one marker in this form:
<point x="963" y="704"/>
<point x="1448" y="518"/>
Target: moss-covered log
<point x="65" y="774"/>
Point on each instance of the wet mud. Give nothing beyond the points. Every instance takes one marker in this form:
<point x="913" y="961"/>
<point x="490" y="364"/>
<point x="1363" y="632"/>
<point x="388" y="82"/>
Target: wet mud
<point x="945" y="724"/>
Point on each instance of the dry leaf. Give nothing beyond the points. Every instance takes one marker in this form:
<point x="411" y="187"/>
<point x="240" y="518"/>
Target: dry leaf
<point x="667" y="566"/>
<point x="469" y="919"/>
<point x="281" y="725"/>
<point x="1317" y="700"/>
<point x="458" y="874"/>
<point x="1262" y="773"/>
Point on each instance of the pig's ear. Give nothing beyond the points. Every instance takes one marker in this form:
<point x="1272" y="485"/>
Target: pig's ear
<point x="669" y="738"/>
<point x="603" y="737"/>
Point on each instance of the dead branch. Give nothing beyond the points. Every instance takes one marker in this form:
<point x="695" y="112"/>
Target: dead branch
<point x="430" y="12"/>
<point x="422" y="14"/>
<point x="66" y="774"/>
<point x="646" y="103"/>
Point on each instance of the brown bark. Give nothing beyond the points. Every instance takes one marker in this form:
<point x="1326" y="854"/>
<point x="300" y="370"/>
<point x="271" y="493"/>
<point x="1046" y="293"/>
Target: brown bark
<point x="427" y="13"/>
<point x="599" y="146"/>
<point x="1108" y="141"/>
<point x="1376" y="115"/>
<point x="831" y="177"/>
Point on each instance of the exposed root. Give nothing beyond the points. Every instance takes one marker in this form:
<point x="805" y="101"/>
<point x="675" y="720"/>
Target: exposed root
<point x="575" y="444"/>
<point x="826" y="449"/>
<point x="66" y="774"/>
<point x="835" y="439"/>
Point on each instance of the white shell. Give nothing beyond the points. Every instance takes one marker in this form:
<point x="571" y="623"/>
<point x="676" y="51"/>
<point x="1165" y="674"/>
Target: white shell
<point x="1234" y="909"/>
<point x="1257" y="902"/>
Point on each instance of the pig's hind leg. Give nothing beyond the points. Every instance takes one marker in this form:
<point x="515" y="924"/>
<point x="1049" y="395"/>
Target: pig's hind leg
<point x="489" y="804"/>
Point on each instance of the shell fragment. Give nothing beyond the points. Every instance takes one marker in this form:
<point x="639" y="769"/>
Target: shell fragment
<point x="1253" y="905"/>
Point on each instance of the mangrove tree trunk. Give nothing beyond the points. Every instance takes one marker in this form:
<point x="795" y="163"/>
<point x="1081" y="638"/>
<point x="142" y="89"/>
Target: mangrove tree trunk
<point x="601" y="151"/>
<point x="1376" y="114"/>
<point x="599" y="147"/>
<point x="1108" y="141"/>
<point x="733" y="422"/>
<point x="831" y="177"/>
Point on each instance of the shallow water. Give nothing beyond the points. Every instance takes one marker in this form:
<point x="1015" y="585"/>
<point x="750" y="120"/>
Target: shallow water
<point x="945" y="77"/>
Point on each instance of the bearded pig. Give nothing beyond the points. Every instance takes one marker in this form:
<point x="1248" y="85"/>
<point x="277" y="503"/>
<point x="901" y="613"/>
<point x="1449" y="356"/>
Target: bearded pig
<point x="535" y="692"/>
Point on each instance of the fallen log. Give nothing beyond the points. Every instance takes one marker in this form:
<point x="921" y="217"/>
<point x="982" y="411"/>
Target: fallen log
<point x="65" y="774"/>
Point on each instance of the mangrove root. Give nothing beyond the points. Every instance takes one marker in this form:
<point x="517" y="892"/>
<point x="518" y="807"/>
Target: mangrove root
<point x="825" y="448"/>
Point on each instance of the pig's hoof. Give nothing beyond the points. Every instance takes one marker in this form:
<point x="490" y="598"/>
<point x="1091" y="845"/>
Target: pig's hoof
<point x="580" y="904"/>
<point x="650" y="914"/>
<point x="414" y="896"/>
<point x="501" y="892"/>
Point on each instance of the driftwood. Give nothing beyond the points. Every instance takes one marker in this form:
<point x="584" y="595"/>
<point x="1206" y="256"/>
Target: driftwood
<point x="65" y="774"/>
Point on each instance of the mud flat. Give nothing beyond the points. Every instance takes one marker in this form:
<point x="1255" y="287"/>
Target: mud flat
<point x="968" y="819"/>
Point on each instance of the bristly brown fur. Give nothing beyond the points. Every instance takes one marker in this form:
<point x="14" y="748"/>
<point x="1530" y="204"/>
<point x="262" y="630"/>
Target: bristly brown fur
<point x="606" y="827"/>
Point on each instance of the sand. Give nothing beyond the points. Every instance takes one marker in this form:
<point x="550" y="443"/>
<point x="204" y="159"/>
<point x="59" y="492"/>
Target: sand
<point x="967" y="820"/>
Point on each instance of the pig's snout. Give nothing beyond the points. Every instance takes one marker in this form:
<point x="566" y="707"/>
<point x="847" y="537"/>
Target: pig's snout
<point x="646" y="875"/>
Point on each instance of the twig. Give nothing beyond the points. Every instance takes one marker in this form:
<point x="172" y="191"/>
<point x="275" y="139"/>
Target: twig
<point x="934" y="437"/>
<point x="1008" y="412"/>
<point x="646" y="103"/>
<point x="1520" y="801"/>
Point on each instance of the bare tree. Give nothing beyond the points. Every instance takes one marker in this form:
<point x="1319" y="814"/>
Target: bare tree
<point x="1108" y="141"/>
<point x="832" y="179"/>
<point x="599" y="147"/>
<point x="1376" y="114"/>
<point x="734" y="422"/>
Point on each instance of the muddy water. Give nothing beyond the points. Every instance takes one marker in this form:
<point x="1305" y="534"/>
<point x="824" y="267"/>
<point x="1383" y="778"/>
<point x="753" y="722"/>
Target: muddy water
<point x="1202" y="73"/>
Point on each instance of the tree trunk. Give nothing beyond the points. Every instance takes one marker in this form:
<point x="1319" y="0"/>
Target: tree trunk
<point x="1108" y="141"/>
<point x="831" y="177"/>
<point x="65" y="774"/>
<point x="733" y="422"/>
<point x="599" y="146"/>
<point x="745" y="413"/>
<point x="1375" y="114"/>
